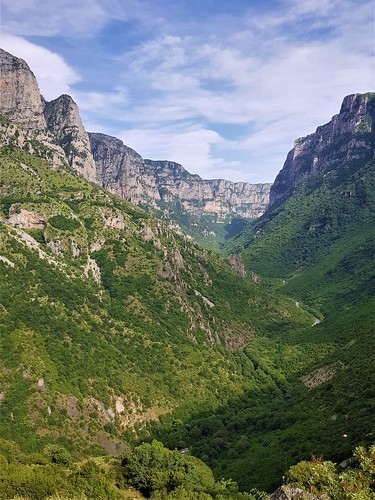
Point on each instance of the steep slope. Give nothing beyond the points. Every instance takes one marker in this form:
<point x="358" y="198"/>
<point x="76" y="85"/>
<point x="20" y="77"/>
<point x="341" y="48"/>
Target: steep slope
<point x="202" y="208"/>
<point x="53" y="130"/>
<point x="109" y="319"/>
<point x="348" y="137"/>
<point x="64" y="123"/>
<point x="20" y="99"/>
<point x="318" y="247"/>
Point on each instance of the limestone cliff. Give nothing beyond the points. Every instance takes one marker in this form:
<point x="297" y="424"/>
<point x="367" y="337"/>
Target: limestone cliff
<point x="20" y="98"/>
<point x="348" y="137"/>
<point x="53" y="130"/>
<point x="208" y="197"/>
<point x="64" y="122"/>
<point x="123" y="171"/>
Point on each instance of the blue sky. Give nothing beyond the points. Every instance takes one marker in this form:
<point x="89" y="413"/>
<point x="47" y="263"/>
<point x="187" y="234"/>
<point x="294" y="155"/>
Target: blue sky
<point x="223" y="87"/>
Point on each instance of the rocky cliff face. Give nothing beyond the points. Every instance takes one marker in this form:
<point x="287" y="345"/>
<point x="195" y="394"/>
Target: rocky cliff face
<point x="64" y="122"/>
<point x="124" y="172"/>
<point x="56" y="126"/>
<point x="208" y="197"/>
<point x="19" y="93"/>
<point x="348" y="137"/>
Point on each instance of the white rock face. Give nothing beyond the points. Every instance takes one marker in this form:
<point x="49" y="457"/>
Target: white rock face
<point x="56" y="124"/>
<point x="26" y="219"/>
<point x="122" y="171"/>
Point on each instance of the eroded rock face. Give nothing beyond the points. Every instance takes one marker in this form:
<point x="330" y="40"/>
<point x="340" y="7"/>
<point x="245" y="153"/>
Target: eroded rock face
<point x="20" y="98"/>
<point x="215" y="196"/>
<point x="64" y="122"/>
<point x="124" y="172"/>
<point x="55" y="125"/>
<point x="349" y="136"/>
<point x="26" y="219"/>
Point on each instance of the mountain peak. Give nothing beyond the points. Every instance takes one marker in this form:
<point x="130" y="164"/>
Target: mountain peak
<point x="347" y="137"/>
<point x="20" y="98"/>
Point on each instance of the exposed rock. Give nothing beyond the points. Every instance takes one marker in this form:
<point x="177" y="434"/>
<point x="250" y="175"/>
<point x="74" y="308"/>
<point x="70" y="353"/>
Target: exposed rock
<point x="347" y="137"/>
<point x="20" y="98"/>
<point x="147" y="234"/>
<point x="26" y="219"/>
<point x="71" y="408"/>
<point x="122" y="171"/>
<point x="206" y="302"/>
<point x="6" y="261"/>
<point x="236" y="262"/>
<point x="208" y="197"/>
<point x="288" y="493"/>
<point x="179" y="261"/>
<point x="51" y="124"/>
<point x="55" y="247"/>
<point x="64" y="122"/>
<point x="35" y="141"/>
<point x="115" y="222"/>
<point x="321" y="375"/>
<point x="92" y="268"/>
<point x="54" y="131"/>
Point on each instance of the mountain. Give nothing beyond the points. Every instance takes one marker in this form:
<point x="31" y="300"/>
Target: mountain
<point x="348" y="137"/>
<point x="110" y="320"/>
<point x="55" y="125"/>
<point x="200" y="207"/>
<point x="116" y="328"/>
<point x="316" y="244"/>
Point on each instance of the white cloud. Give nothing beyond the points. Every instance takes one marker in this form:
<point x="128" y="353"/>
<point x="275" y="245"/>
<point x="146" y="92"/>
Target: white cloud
<point x="190" y="146"/>
<point x="274" y="75"/>
<point x="54" y="75"/>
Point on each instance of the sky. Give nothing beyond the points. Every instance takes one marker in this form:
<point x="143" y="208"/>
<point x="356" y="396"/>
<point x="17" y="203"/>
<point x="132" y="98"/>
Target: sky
<point x="223" y="87"/>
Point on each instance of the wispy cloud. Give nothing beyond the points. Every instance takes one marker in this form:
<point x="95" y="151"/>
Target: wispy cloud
<point x="54" y="75"/>
<point x="274" y="72"/>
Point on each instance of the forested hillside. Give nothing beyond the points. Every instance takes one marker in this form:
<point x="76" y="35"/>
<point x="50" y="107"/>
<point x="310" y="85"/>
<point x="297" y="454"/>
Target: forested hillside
<point x="111" y="320"/>
<point x="121" y="336"/>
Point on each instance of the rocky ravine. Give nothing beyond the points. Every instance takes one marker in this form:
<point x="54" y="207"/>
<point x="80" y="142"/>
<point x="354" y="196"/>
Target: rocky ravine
<point x="349" y="136"/>
<point x="58" y="127"/>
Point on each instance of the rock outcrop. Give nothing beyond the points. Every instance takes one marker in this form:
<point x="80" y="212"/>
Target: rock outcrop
<point x="122" y="171"/>
<point x="63" y="121"/>
<point x="348" y="137"/>
<point x="53" y="130"/>
<point x="20" y="99"/>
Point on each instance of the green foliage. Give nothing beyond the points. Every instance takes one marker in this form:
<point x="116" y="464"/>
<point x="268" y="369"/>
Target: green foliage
<point x="199" y="357"/>
<point x="357" y="481"/>
<point x="160" y="473"/>
<point x="57" y="454"/>
<point x="63" y="223"/>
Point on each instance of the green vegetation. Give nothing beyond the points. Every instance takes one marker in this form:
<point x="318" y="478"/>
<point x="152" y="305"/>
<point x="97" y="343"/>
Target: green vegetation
<point x="116" y="330"/>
